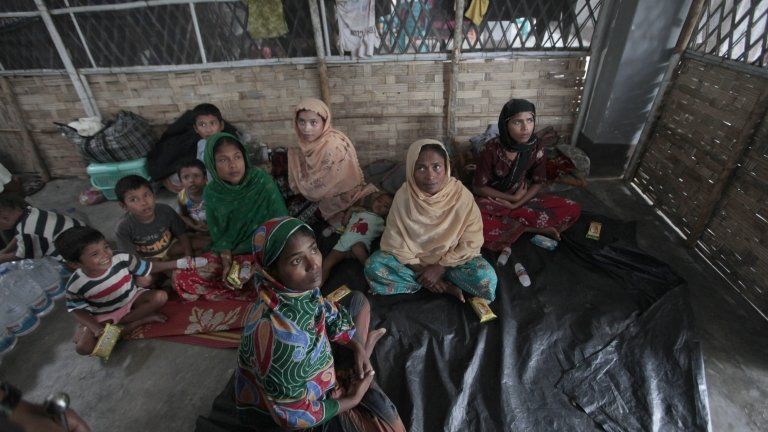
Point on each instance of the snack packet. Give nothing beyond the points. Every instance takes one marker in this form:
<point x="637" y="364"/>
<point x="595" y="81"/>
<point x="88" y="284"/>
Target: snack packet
<point x="107" y="341"/>
<point x="233" y="277"/>
<point x="338" y="294"/>
<point x="480" y="305"/>
<point x="594" y="230"/>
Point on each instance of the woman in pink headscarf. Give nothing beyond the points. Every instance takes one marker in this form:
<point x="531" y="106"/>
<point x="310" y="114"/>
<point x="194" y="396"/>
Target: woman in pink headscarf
<point x="324" y="169"/>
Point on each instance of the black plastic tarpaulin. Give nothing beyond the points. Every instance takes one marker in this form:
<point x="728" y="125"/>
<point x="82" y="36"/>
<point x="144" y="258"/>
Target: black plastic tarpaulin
<point x="602" y="340"/>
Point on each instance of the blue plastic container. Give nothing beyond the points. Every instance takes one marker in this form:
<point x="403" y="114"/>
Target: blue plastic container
<point x="104" y="176"/>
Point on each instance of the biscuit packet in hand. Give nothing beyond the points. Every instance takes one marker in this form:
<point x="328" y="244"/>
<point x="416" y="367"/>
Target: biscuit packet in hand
<point x="233" y="277"/>
<point x="107" y="341"/>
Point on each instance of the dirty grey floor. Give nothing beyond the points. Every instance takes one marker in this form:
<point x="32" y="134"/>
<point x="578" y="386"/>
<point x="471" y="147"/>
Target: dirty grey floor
<point x="162" y="386"/>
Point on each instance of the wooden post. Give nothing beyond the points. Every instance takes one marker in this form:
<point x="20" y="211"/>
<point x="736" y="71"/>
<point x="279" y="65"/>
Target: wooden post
<point x="453" y="88"/>
<point x="756" y="115"/>
<point x="694" y="14"/>
<point x="322" y="66"/>
<point x="26" y="137"/>
<point x="88" y="105"/>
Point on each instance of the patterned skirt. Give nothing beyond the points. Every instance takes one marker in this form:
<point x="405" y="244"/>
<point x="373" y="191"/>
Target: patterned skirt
<point x="191" y="285"/>
<point x="386" y="275"/>
<point x="503" y="226"/>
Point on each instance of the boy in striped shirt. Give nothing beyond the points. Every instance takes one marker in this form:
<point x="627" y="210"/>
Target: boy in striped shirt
<point x="36" y="229"/>
<point x="104" y="286"/>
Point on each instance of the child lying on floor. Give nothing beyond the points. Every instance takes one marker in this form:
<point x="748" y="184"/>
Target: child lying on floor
<point x="36" y="229"/>
<point x="363" y="225"/>
<point x="104" y="286"/>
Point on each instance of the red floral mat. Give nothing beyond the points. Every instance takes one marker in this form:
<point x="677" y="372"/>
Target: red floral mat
<point x="215" y="324"/>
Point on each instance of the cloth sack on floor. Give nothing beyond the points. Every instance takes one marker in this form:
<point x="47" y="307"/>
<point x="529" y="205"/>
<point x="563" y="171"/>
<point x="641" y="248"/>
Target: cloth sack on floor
<point x="128" y="137"/>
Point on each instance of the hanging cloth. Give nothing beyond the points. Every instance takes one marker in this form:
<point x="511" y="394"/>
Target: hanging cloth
<point x="477" y="10"/>
<point x="357" y="27"/>
<point x="266" y="19"/>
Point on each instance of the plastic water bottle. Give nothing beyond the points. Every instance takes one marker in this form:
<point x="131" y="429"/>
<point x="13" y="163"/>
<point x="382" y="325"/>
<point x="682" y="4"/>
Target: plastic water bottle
<point x="245" y="271"/>
<point x="522" y="275"/>
<point x="27" y="291"/>
<point x="7" y="340"/>
<point x="46" y="273"/>
<point x="504" y="256"/>
<point x="16" y="317"/>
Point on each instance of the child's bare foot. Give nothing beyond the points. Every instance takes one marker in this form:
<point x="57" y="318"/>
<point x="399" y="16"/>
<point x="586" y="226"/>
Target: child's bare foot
<point x="155" y="317"/>
<point x="454" y="291"/>
<point x="373" y="338"/>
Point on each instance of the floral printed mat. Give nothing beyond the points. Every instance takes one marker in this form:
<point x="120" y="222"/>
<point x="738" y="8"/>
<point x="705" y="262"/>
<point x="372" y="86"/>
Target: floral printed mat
<point x="215" y="324"/>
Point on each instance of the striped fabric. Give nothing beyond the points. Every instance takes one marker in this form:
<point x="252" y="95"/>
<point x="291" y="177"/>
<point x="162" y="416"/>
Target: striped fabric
<point x="108" y="292"/>
<point x="37" y="230"/>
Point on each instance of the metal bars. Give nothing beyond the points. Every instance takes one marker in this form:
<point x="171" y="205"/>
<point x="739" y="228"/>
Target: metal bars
<point x="102" y="34"/>
<point x="735" y="30"/>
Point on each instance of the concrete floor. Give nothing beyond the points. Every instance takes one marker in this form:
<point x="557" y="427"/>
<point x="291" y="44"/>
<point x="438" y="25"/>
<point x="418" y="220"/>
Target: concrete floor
<point x="162" y="386"/>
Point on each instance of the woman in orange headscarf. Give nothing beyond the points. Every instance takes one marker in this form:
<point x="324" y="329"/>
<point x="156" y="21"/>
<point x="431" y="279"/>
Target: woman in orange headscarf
<point x="324" y="169"/>
<point x="433" y="234"/>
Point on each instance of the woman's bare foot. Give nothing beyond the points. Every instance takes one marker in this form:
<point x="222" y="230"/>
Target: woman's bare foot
<point x="550" y="232"/>
<point x="453" y="290"/>
<point x="373" y="338"/>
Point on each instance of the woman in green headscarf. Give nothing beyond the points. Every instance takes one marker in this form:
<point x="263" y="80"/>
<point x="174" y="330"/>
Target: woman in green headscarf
<point x="238" y="199"/>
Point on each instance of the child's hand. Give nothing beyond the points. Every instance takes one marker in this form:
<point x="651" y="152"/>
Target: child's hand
<point x="200" y="226"/>
<point x="189" y="262"/>
<point x="208" y="271"/>
<point x="97" y="329"/>
<point x="345" y="218"/>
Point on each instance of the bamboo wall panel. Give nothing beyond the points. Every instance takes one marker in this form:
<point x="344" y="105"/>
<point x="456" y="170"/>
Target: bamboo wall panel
<point x="553" y="84"/>
<point x="706" y="110"/>
<point x="382" y="107"/>
<point x="12" y="149"/>
<point x="701" y="119"/>
<point x="736" y="239"/>
<point x="43" y="100"/>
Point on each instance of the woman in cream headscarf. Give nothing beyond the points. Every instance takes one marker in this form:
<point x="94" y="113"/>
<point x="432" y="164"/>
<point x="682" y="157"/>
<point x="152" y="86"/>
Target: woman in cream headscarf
<point x="324" y="169"/>
<point x="433" y="234"/>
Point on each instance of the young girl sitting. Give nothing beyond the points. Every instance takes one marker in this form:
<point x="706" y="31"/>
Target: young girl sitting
<point x="363" y="225"/>
<point x="286" y="372"/>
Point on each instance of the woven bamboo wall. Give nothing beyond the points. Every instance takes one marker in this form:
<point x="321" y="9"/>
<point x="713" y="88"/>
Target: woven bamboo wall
<point x="42" y="100"/>
<point x="736" y="239"/>
<point x="383" y="107"/>
<point x="11" y="144"/>
<point x="553" y="84"/>
<point x="706" y="111"/>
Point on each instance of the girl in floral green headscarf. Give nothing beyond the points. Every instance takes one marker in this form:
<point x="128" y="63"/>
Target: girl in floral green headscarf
<point x="238" y="199"/>
<point x="286" y="370"/>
